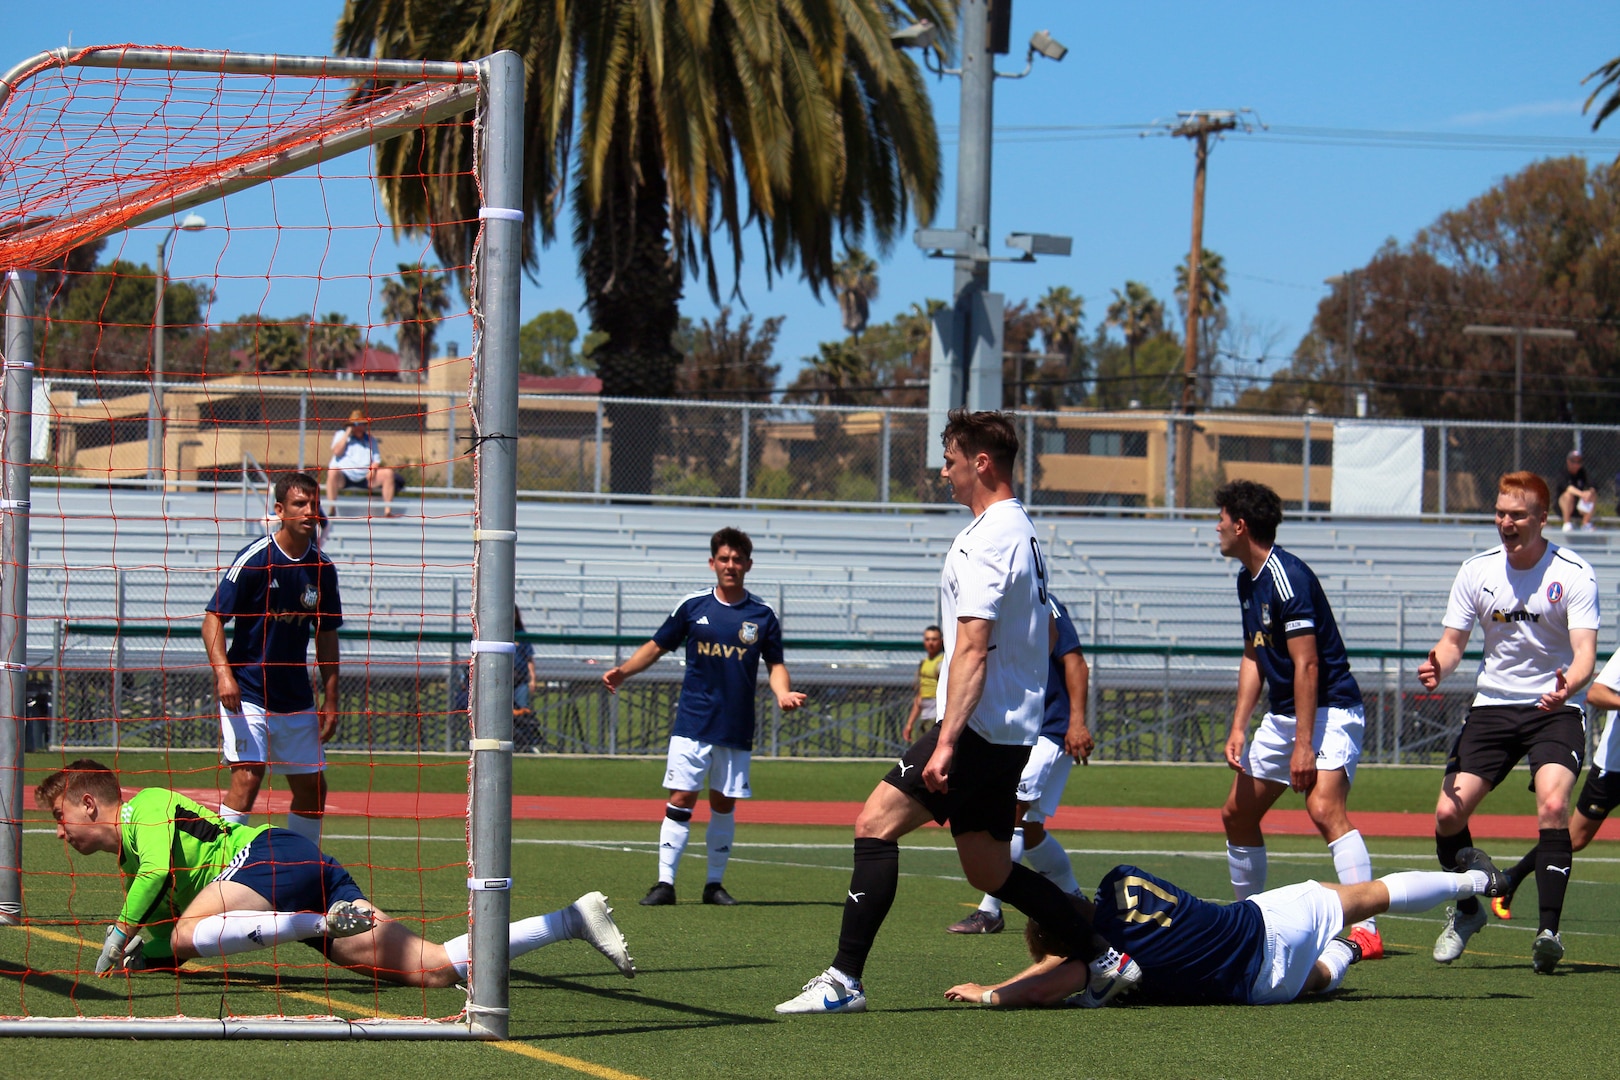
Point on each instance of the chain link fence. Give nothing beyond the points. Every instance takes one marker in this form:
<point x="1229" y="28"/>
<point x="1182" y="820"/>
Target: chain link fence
<point x="239" y="430"/>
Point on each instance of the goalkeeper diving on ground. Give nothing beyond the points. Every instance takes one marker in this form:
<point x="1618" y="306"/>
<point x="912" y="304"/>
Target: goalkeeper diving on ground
<point x="198" y="886"/>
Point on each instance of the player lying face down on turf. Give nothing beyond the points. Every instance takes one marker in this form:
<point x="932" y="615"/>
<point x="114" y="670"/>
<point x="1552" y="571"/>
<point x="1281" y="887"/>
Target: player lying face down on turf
<point x="195" y="885"/>
<point x="1271" y="948"/>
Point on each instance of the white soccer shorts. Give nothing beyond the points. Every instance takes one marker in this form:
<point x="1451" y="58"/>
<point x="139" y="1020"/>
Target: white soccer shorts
<point x="1607" y="754"/>
<point x="1337" y="740"/>
<point x="1044" y="778"/>
<point x="1300" y="921"/>
<point x="287" y="742"/>
<point x="692" y="763"/>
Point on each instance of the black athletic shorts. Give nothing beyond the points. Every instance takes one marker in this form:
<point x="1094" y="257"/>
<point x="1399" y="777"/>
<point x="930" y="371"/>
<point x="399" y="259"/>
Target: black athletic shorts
<point x="983" y="794"/>
<point x="1600" y="794"/>
<point x="1495" y="738"/>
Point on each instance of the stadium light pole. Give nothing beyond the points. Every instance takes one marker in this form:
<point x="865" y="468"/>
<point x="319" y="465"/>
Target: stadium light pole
<point x="154" y="409"/>
<point x="1518" y="334"/>
<point x="966" y="350"/>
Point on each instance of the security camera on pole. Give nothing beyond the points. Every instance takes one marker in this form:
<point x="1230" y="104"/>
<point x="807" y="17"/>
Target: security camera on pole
<point x="965" y="368"/>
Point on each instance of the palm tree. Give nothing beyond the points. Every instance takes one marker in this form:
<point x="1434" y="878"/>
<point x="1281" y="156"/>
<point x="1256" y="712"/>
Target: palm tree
<point x="681" y="120"/>
<point x="855" y="283"/>
<point x="414" y="301"/>
<point x="1211" y="284"/>
<point x="1211" y="316"/>
<point x="1060" y="314"/>
<point x="1608" y="77"/>
<point x="1139" y="315"/>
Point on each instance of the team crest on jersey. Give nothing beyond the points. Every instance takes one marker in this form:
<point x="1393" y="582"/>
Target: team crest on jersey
<point x="310" y="598"/>
<point x="1265" y="614"/>
<point x="749" y="633"/>
<point x="1555" y="592"/>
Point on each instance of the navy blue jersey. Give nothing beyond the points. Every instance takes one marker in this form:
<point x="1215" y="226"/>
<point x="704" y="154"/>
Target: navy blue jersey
<point x="277" y="602"/>
<point x="1287" y="601"/>
<point x="724" y="643"/>
<point x="1191" y="951"/>
<point x="1056" y="726"/>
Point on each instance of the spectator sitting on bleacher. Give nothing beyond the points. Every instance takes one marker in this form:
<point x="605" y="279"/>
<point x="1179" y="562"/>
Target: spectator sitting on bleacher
<point x="1575" y="493"/>
<point x="357" y="462"/>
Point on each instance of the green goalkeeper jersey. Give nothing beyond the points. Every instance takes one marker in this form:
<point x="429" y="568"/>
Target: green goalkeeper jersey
<point x="172" y="848"/>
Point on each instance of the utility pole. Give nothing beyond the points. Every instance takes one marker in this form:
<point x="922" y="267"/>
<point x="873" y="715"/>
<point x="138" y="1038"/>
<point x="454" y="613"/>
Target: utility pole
<point x="1348" y="280"/>
<point x="1518" y="334"/>
<point x="965" y="369"/>
<point x="1198" y="126"/>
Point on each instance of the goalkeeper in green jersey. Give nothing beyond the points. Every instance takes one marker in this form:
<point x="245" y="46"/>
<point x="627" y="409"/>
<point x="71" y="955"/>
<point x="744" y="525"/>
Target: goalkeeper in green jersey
<point x="195" y="885"/>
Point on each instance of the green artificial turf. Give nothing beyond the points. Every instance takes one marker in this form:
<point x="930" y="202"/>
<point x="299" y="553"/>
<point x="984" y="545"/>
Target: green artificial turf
<point x="702" y="1004"/>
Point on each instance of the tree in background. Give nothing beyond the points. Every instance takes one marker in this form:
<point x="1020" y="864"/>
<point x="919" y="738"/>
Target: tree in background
<point x="680" y="121"/>
<point x="1535" y="250"/>
<point x="1211" y="316"/>
<point x="1608" y="77"/>
<point x="726" y="362"/>
<point x="334" y="342"/>
<point x="1139" y="317"/>
<point x="415" y="300"/>
<point x="546" y="344"/>
<point x="100" y="322"/>
<point x="1059" y="379"/>
<point x="855" y="283"/>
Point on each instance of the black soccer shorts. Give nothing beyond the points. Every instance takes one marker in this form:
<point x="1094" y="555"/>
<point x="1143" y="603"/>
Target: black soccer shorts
<point x="983" y="783"/>
<point x="1495" y="738"/>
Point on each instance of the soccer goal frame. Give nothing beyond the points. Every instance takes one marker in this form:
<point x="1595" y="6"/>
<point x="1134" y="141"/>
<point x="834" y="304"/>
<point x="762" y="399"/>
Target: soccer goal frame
<point x="427" y="92"/>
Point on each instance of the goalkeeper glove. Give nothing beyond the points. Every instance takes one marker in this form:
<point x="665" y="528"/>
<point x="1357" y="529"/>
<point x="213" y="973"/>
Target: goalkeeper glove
<point x="120" y="951"/>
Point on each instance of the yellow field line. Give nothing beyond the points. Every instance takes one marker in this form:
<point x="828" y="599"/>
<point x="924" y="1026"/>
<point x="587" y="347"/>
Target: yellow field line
<point x="579" y="1065"/>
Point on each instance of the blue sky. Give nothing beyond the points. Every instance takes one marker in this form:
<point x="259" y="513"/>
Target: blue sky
<point x="1285" y="208"/>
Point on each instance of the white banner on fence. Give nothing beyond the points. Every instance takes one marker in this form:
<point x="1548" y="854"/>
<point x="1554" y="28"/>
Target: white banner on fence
<point x="1377" y="470"/>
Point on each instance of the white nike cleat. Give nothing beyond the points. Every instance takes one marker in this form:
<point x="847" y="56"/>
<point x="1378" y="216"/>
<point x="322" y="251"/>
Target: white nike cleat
<point x="1459" y="928"/>
<point x="1545" y="952"/>
<point x="1112" y="974"/>
<point x="346" y="919"/>
<point x="826" y="993"/>
<point x="596" y="926"/>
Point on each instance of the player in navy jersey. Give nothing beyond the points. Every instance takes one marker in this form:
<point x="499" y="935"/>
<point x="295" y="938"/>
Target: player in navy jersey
<point x="1310" y="738"/>
<point x="1065" y="739"/>
<point x="727" y="630"/>
<point x="1272" y="948"/>
<point x="280" y="590"/>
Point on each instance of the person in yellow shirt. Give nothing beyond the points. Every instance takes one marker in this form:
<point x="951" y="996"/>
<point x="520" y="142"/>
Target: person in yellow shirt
<point x="922" y="706"/>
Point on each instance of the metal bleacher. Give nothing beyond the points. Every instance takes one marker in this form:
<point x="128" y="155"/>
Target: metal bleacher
<point x="139" y="556"/>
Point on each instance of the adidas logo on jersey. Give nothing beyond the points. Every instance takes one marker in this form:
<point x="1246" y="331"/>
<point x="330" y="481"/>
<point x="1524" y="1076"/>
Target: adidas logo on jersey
<point x="274" y="584"/>
<point x="703" y="621"/>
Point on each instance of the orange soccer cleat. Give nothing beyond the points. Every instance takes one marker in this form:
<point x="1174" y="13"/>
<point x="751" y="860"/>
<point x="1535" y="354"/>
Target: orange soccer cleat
<point x="1369" y="941"/>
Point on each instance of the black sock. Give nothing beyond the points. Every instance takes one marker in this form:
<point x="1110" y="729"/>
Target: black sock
<point x="872" y="886"/>
<point x="1521" y="871"/>
<point x="1446" y="848"/>
<point x="1555" y="857"/>
<point x="1058" y="913"/>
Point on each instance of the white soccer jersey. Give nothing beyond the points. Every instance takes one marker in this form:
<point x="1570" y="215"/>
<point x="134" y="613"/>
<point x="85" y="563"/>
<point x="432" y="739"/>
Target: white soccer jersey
<point x="1607" y="755"/>
<point x="995" y="571"/>
<point x="1527" y="616"/>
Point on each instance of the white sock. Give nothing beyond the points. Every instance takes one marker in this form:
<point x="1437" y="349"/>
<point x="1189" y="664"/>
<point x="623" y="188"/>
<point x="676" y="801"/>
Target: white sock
<point x="1336" y="958"/>
<point x="306" y="825"/>
<point x="1049" y="860"/>
<point x="1353" y="864"/>
<point x="235" y="817"/>
<point x="1247" y="867"/>
<point x="849" y="983"/>
<point x="234" y="932"/>
<point x="1419" y="890"/>
<point x="672" y="838"/>
<point x="523" y="936"/>
<point x="989" y="904"/>
<point x="722" y="829"/>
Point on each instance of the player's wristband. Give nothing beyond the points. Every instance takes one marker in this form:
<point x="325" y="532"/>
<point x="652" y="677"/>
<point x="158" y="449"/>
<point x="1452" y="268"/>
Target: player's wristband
<point x="984" y="998"/>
